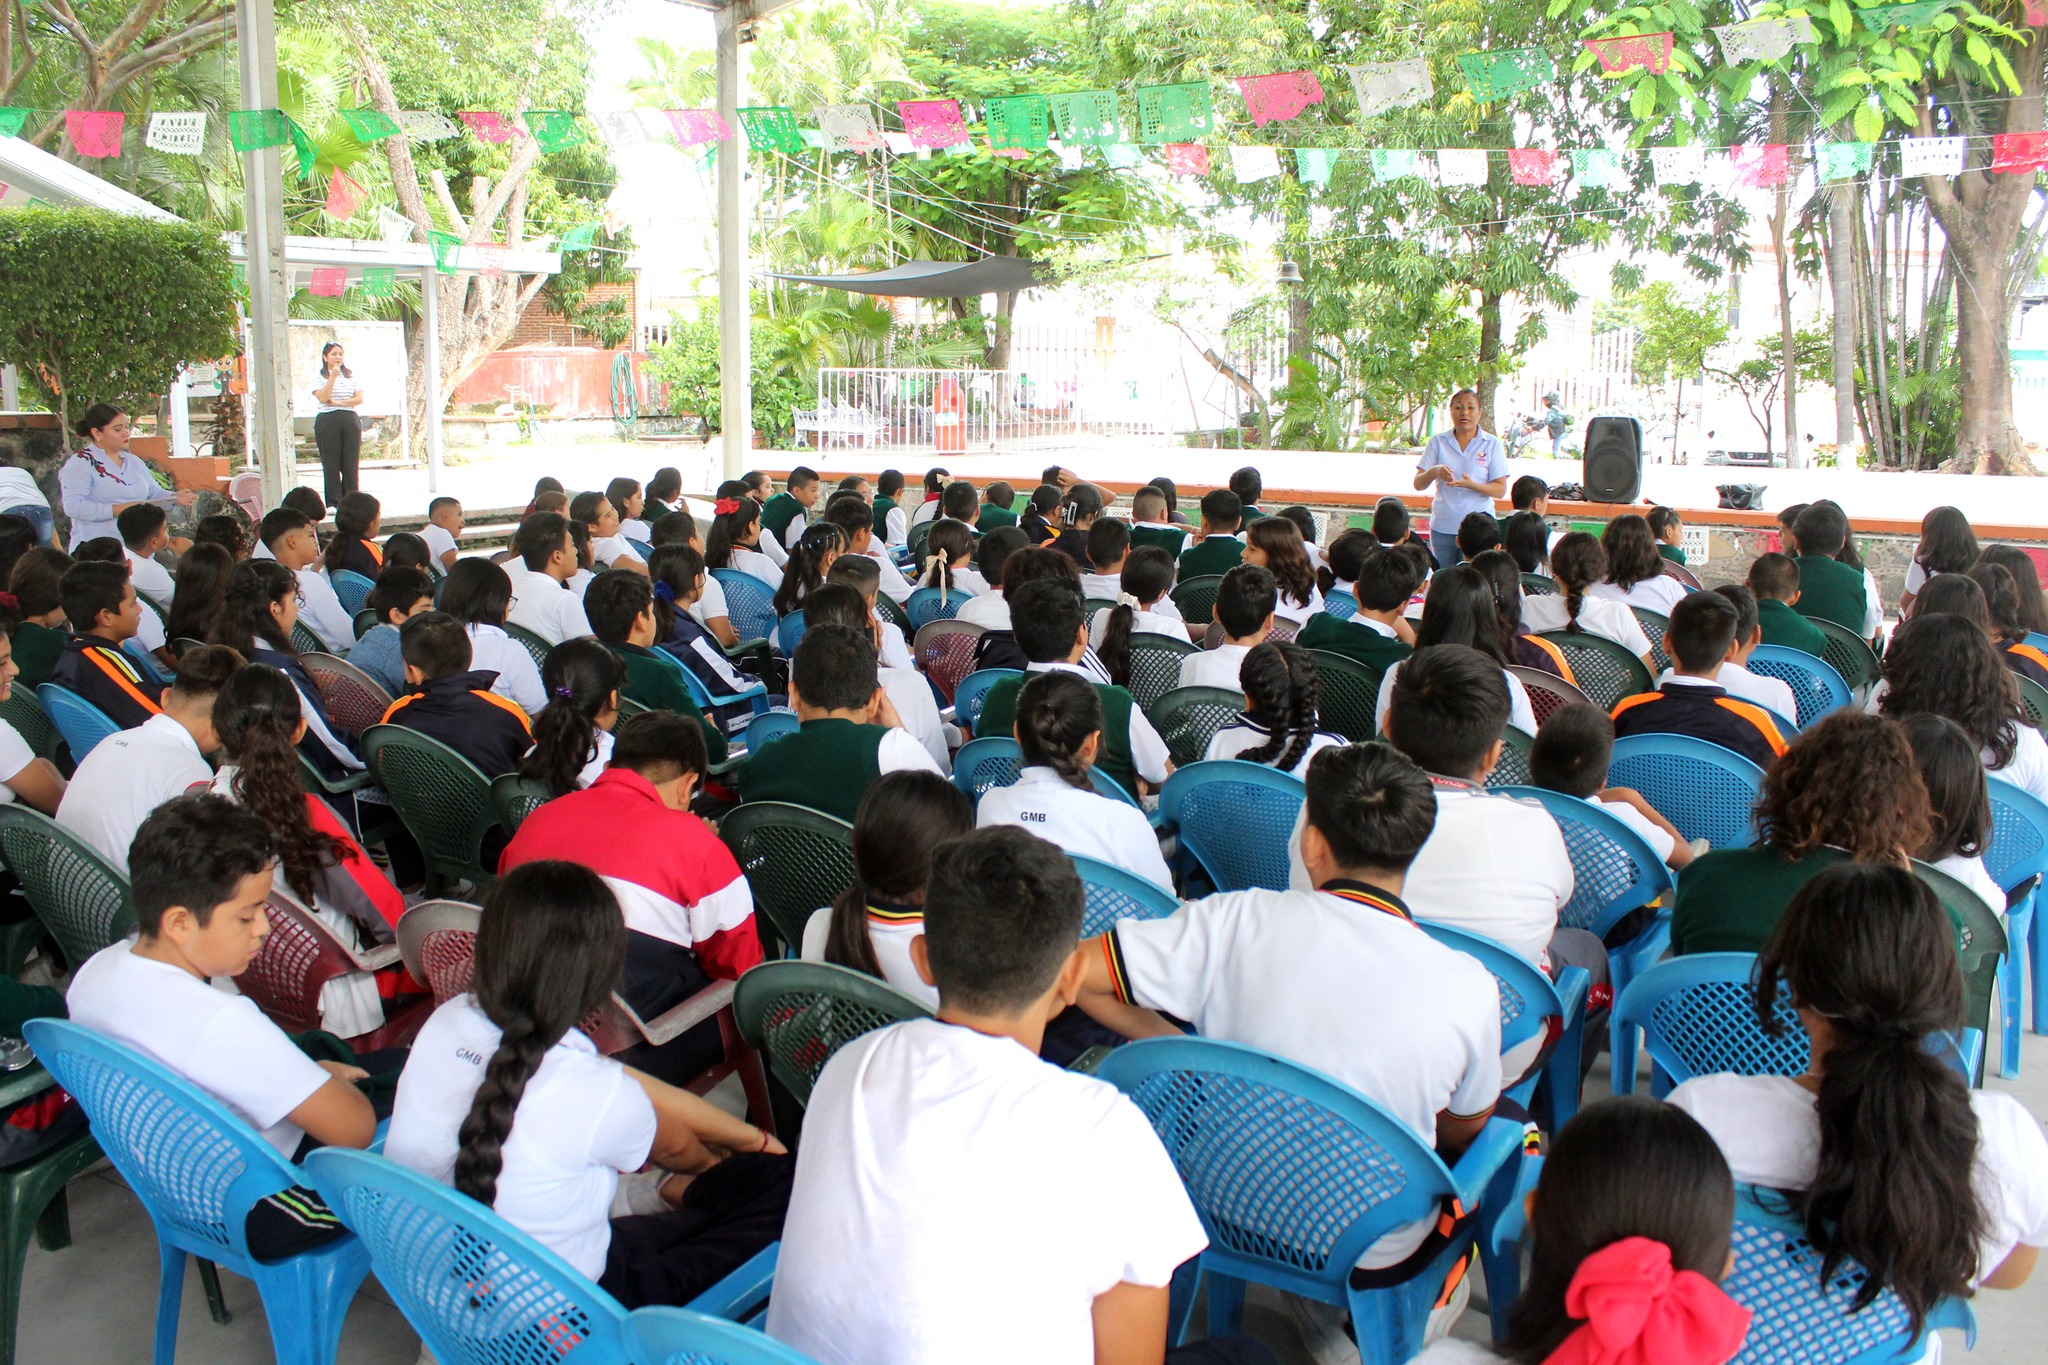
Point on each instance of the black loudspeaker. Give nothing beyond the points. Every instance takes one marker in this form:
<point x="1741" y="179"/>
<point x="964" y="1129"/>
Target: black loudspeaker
<point x="1613" y="464"/>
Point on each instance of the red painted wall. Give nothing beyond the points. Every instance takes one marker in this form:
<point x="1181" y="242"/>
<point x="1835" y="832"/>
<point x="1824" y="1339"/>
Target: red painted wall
<point x="568" y="381"/>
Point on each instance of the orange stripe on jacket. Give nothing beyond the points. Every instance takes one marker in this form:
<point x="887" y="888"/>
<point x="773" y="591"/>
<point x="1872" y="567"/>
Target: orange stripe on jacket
<point x="1564" y="667"/>
<point x="393" y="709"/>
<point x="123" y="679"/>
<point x="494" y="699"/>
<point x="2027" y="651"/>
<point x="1757" y="716"/>
<point x="1639" y="699"/>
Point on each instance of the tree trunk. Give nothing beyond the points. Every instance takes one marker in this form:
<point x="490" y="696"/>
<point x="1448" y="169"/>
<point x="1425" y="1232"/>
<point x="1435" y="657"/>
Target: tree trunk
<point x="1795" y="456"/>
<point x="997" y="355"/>
<point x="1842" y="291"/>
<point x="1677" y="413"/>
<point x="1299" y="342"/>
<point x="1489" y="359"/>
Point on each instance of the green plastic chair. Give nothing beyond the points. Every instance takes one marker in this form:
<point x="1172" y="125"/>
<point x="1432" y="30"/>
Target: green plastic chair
<point x="893" y="612"/>
<point x="515" y="797"/>
<point x="442" y="799"/>
<point x="1602" y="669"/>
<point x="78" y="895"/>
<point x="1155" y="665"/>
<point x="1850" y="654"/>
<point x="1513" y="768"/>
<point x="1980" y="941"/>
<point x="796" y="860"/>
<point x="1187" y="717"/>
<point x="914" y="539"/>
<point x="32" y="1200"/>
<point x="1539" y="585"/>
<point x="304" y="641"/>
<point x="1196" y="598"/>
<point x="531" y="643"/>
<point x="1654" y="624"/>
<point x="798" y="1014"/>
<point x="1348" y="695"/>
<point x="365" y="621"/>
<point x="22" y="711"/>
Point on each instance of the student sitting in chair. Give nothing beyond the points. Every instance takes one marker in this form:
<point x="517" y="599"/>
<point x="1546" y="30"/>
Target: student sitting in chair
<point x="1570" y="757"/>
<point x="1220" y="548"/>
<point x="1246" y="601"/>
<point x="1693" y="700"/>
<point x="447" y="701"/>
<point x="622" y="614"/>
<point x="99" y="601"/>
<point x="1773" y="694"/>
<point x="1774" y="578"/>
<point x="1378" y="634"/>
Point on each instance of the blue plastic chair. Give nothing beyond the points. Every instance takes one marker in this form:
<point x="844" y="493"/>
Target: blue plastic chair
<point x="352" y="588"/>
<point x="1705" y="790"/>
<point x="476" y="1289"/>
<point x="767" y="727"/>
<point x="1816" y="687"/>
<point x="1236" y="819"/>
<point x="742" y="1296"/>
<point x="1696" y="1016"/>
<point x="1114" y="894"/>
<point x="982" y="765"/>
<point x="749" y="603"/>
<point x="927" y="605"/>
<point x="1294" y="1176"/>
<point x="640" y="547"/>
<point x="972" y="691"/>
<point x="1614" y="874"/>
<point x="789" y="633"/>
<point x="756" y="696"/>
<point x="676" y="1336"/>
<point x="82" y="724"/>
<point x="2019" y="854"/>
<point x="1341" y="605"/>
<point x="198" y="1170"/>
<point x="145" y="662"/>
<point x="1798" y="1320"/>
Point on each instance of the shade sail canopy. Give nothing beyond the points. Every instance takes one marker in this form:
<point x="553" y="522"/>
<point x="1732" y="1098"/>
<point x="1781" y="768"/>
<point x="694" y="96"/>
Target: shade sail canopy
<point x="939" y="279"/>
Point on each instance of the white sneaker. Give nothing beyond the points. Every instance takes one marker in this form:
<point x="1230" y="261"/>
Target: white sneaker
<point x="1442" y="1320"/>
<point x="1321" y="1326"/>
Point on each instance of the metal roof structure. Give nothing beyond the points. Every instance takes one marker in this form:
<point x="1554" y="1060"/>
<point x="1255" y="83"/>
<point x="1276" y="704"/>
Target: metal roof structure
<point x="28" y="172"/>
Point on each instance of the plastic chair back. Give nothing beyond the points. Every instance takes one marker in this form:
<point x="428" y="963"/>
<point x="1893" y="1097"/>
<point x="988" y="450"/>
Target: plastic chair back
<point x="353" y="589"/>
<point x="971" y="691"/>
<point x="2033" y="700"/>
<point x="1115" y="894"/>
<point x="476" y="1289"/>
<point x="298" y="958"/>
<point x="890" y="610"/>
<point x="766" y="727"/>
<point x="304" y="641"/>
<point x="1980" y="943"/>
<point x="1654" y="624"/>
<point x="982" y="765"/>
<point x="1196" y="598"/>
<point x="945" y="652"/>
<point x="789" y="633"/>
<point x="1816" y="687"/>
<point x="1604" y="670"/>
<point x="795" y="860"/>
<point x="514" y="798"/>
<point x="78" y="895"/>
<point x="441" y="796"/>
<point x="927" y="605"/>
<point x="798" y="1014"/>
<point x="21" y="710"/>
<point x="1340" y="604"/>
<point x="1513" y="768"/>
<point x="1671" y="568"/>
<point x="1696" y="1016"/>
<point x="1614" y="874"/>
<point x="1188" y="717"/>
<point x="1236" y="818"/>
<point x="1848" y="654"/>
<point x="640" y="547"/>
<point x="437" y="940"/>
<point x="676" y="1336"/>
<point x="1155" y="666"/>
<point x="354" y="700"/>
<point x="914" y="540"/>
<point x="749" y="602"/>
<point x="82" y="724"/>
<point x="365" y="622"/>
<point x="1548" y="693"/>
<point x="536" y="646"/>
<point x="1539" y="585"/>
<point x="144" y="661"/>
<point x="1706" y="791"/>
<point x="1348" y="694"/>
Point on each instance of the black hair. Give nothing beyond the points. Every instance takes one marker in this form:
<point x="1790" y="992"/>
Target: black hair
<point x="100" y="550"/>
<point x="1045" y="498"/>
<point x="729" y="529"/>
<point x="853" y="517"/>
<point x="2033" y="607"/>
<point x="1002" y="914"/>
<point x="889" y="483"/>
<point x="618" y="490"/>
<point x="1477" y="533"/>
<point x="1947" y="544"/>
<point x="403" y="549"/>
<point x="1868" y="947"/>
<point x="1460" y="610"/>
<point x="1246" y="597"/>
<point x="1282" y="689"/>
<point x="435" y="506"/>
<point x="1524" y="492"/>
<point x="1744" y="602"/>
<point x="194" y="850"/>
<point x="353" y="517"/>
<point x="537" y="539"/>
<point x="1390" y="521"/>
<point x="1449" y="707"/>
<point x="204" y="670"/>
<point x="1081" y="503"/>
<point x="901" y="817"/>
<point x="1148" y="576"/>
<point x="1049" y="475"/>
<point x="1033" y="563"/>
<point x="254" y="588"/>
<point x="1526" y="536"/>
<point x="582" y="679"/>
<point x="1046" y="616"/>
<point x="1386" y="580"/>
<point x="436" y="644"/>
<point x="1632" y="556"/>
<point x="1958" y="594"/>
<point x="675" y="572"/>
<point x="547" y="483"/>
<point x="398" y="588"/>
<point x="934" y="479"/>
<point x="808" y="560"/>
<point x="1056" y="712"/>
<point x="803" y="476"/>
<point x="1956" y="789"/>
<point x="665" y="486"/>
<point x="1773" y="576"/>
<point x="550" y="946"/>
<point x="1345" y="559"/>
<point x="334" y="346"/>
<point x="224" y="529"/>
<point x="96" y="418"/>
<point x="850" y="484"/>
<point x="958" y="501"/>
<point x="839" y="604"/>
<point x="1222" y="509"/>
<point x="278" y="523"/>
<point x="1948" y="666"/>
<point x="1303" y="519"/>
<point x="1286" y="557"/>
<point x="1499" y="569"/>
<point x="1573" y="747"/>
<point x="90" y="588"/>
<point x="2001" y="598"/>
<point x="1247" y="484"/>
<point x="1789" y="516"/>
<point x="672" y="528"/>
<point x="256" y="714"/>
<point x="613" y="602"/>
<point x="1109" y="540"/>
<point x="1577" y="562"/>
<point x="203" y="575"/>
<point x="944" y="543"/>
<point x="1372" y="804"/>
<point x="660" y="746"/>
<point x="1821" y="529"/>
<point x="1701" y="632"/>
<point x="1662" y="519"/>
<point x="477" y="593"/>
<point x="1626" y="1166"/>
<point x="37" y="577"/>
<point x="580" y="538"/>
<point x="135" y="524"/>
<point x="858" y="572"/>
<point x="307" y="502"/>
<point x="1169" y="490"/>
<point x="835" y="669"/>
<point x="995" y="549"/>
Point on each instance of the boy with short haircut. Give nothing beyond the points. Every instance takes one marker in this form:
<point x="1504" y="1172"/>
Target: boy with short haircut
<point x="100" y="603"/>
<point x="848" y="733"/>
<point x="1149" y="523"/>
<point x="1530" y="494"/>
<point x="445" y="700"/>
<point x="1774" y="578"/>
<point x="1378" y="634"/>
<point x="1248" y="487"/>
<point x="1771" y="694"/>
<point x="1570" y="756"/>
<point x="290" y="539"/>
<point x="145" y="532"/>
<point x="694" y="647"/>
<point x="128" y="775"/>
<point x="995" y="508"/>
<point x="1830" y="590"/>
<point x="1693" y="700"/>
<point x="307" y="504"/>
<point x="443" y="532"/>
<point x="1109" y="544"/>
<point x="890" y="524"/>
<point x="1245" y="602"/>
<point x="924" y="1136"/>
<point x="710" y="611"/>
<point x="1478" y="533"/>
<point x="852" y="517"/>
<point x="960" y="502"/>
<point x="1051" y="629"/>
<point x="622" y="616"/>
<point x="544" y="560"/>
<point x="864" y="575"/>
<point x="848" y="599"/>
<point x="785" y="515"/>
<point x="1669" y="529"/>
<point x="1220" y="548"/>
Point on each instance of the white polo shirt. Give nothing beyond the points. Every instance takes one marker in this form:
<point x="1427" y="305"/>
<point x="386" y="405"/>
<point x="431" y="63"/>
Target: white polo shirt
<point x="918" y="709"/>
<point x="151" y="578"/>
<point x="1149" y="755"/>
<point x="440" y="545"/>
<point x="518" y="676"/>
<point x="1521" y="714"/>
<point x="1659" y="594"/>
<point x="322" y="612"/>
<point x="581" y="1121"/>
<point x="125" y="777"/>
<point x="1660" y="842"/>
<point x="890" y="934"/>
<point x="924" y="1141"/>
<point x="1144" y="621"/>
<point x="1601" y="616"/>
<point x="710" y="605"/>
<point x="894" y="585"/>
<point x="1218" y="667"/>
<point x="220" y="1042"/>
<point x="1287" y="609"/>
<point x="1233" y="741"/>
<point x="1743" y="685"/>
<point x="895" y="651"/>
<point x="1079" y="821"/>
<point x="544" y="605"/>
<point x="1339" y="980"/>
<point x="990" y="611"/>
<point x="612" y="549"/>
<point x="756" y="565"/>
<point x="15" y="755"/>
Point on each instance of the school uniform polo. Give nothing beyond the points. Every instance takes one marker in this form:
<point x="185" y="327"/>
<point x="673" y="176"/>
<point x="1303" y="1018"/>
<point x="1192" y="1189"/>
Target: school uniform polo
<point x="582" y="1121"/>
<point x="104" y="676"/>
<point x="918" y="709"/>
<point x="1144" y="621"/>
<point x="219" y="1042"/>
<point x="891" y="928"/>
<point x="1659" y="594"/>
<point x="755" y="564"/>
<point x="363" y="557"/>
<point x="993" y="518"/>
<point x="151" y="579"/>
<point x="1340" y="979"/>
<point x="1131" y="748"/>
<point x="441" y="544"/>
<point x="1770" y="693"/>
<point x="1300" y="613"/>
<point x="989" y="610"/>
<point x="1674" y="553"/>
<point x="1212" y="555"/>
<point x="1079" y="820"/>
<point x="655" y="680"/>
<point x="1832" y="591"/>
<point x="829" y="764"/>
<point x="779" y="514"/>
<point x="612" y="549"/>
<point x="542" y="604"/>
<point x="888" y="524"/>
<point x="1703" y="710"/>
<point x="36" y="651"/>
<point x="1521" y="713"/>
<point x="957" y="1199"/>
<point x="1163" y="535"/>
<point x="894" y="585"/>
<point x="15" y="757"/>
<point x="322" y="612"/>
<point x="516" y="675"/>
<point x="1729" y="900"/>
<point x="1493" y="865"/>
<point x="1236" y="741"/>
<point x="2024" y="659"/>
<point x="463" y="713"/>
<point x="1249" y="513"/>
<point x="927" y="510"/>
<point x="124" y="779"/>
<point x="1372" y="643"/>
<point x="1601" y="616"/>
<point x="1218" y="667"/>
<point x="1782" y="625"/>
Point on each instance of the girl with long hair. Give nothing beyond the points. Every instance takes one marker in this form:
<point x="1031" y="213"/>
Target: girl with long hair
<point x="1529" y="650"/>
<point x="40" y="636"/>
<point x="406" y="550"/>
<point x="901" y="819"/>
<point x="1146" y="581"/>
<point x="679" y="580"/>
<point x="572" y="739"/>
<point x="1040" y="513"/>
<point x="1577" y="563"/>
<point x="478" y="593"/>
<point x="1959" y="797"/>
<point x="203" y="573"/>
<point x="1275" y="544"/>
<point x="733" y="542"/>
<point x="948" y="548"/>
<point x="1635" y="571"/>
<point x="1078" y="511"/>
<point x="1957" y="594"/>
<point x="1460" y="610"/>
<point x="1884" y="1152"/>
<point x="1526" y="536"/>
<point x="607" y="546"/>
<point x="809" y="561"/>
<point x="1947" y="545"/>
<point x="629" y="502"/>
<point x="2033" y="608"/>
<point x="1278" y="730"/>
<point x="505" y="1096"/>
<point x="1946" y="665"/>
<point x="353" y="546"/>
<point x="256" y="617"/>
<point x="2005" y="618"/>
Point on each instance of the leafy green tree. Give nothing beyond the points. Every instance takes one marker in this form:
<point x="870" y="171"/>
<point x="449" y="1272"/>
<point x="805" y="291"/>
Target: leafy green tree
<point x="1674" y="336"/>
<point x="99" y="54"/>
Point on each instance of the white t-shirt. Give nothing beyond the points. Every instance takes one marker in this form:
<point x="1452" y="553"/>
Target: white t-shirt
<point x="1311" y="975"/>
<point x="1521" y="714"/>
<point x="1601" y="616"/>
<point x="894" y="585"/>
<point x="1769" y="1130"/>
<point x="123" y="779"/>
<point x="1144" y="621"/>
<point x="581" y="1121"/>
<point x="918" y="709"/>
<point x="2029" y="765"/>
<point x="1218" y="667"/>
<point x="757" y="565"/>
<point x="545" y="606"/>
<point x="1972" y="873"/>
<point x="611" y="549"/>
<point x="1233" y="740"/>
<point x="710" y="604"/>
<point x="439" y="545"/>
<point x="1659" y="594"/>
<point x="1660" y="842"/>
<point x="633" y="528"/>
<point x="923" y="1142"/>
<point x="18" y="488"/>
<point x="1079" y="822"/>
<point x="1287" y="609"/>
<point x="990" y="611"/>
<point x="1149" y="755"/>
<point x="1916" y="576"/>
<point x="220" y="1042"/>
<point x="518" y="676"/>
<point x="1743" y="685"/>
<point x="1873" y="606"/>
<point x="151" y="578"/>
<point x="891" y="939"/>
<point x="322" y="612"/>
<point x="15" y="755"/>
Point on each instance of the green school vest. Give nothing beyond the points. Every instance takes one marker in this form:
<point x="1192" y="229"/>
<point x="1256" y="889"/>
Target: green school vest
<point x="1353" y="641"/>
<point x="827" y="765"/>
<point x="779" y="512"/>
<point x="1782" y="625"/>
<point x="1216" y="555"/>
<point x="1830" y="590"/>
<point x="657" y="683"/>
<point x="1674" y="553"/>
<point x="1730" y="900"/>
<point x="883" y="507"/>
<point x="1167" y="538"/>
<point x="999" y="717"/>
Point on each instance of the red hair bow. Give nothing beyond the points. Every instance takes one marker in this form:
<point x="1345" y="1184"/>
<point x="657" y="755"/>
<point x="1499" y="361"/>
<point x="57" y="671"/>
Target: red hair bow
<point x="725" y="507"/>
<point x="1636" y="1311"/>
<point x="9" y="600"/>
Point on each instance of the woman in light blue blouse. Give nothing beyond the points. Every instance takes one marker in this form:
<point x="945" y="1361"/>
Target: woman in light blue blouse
<point x="106" y="476"/>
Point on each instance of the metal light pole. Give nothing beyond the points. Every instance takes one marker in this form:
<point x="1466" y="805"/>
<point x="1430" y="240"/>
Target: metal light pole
<point x="270" y="288"/>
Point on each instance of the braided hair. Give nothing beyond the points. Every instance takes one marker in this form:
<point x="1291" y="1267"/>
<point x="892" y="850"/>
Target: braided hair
<point x="549" y="950"/>
<point x="1056" y="712"/>
<point x="582" y="678"/>
<point x="1279" y="681"/>
<point x="257" y="717"/>
<point x="1577" y="562"/>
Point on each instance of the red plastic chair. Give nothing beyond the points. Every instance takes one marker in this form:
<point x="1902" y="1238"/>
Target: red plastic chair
<point x="300" y="956"/>
<point x="945" y="651"/>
